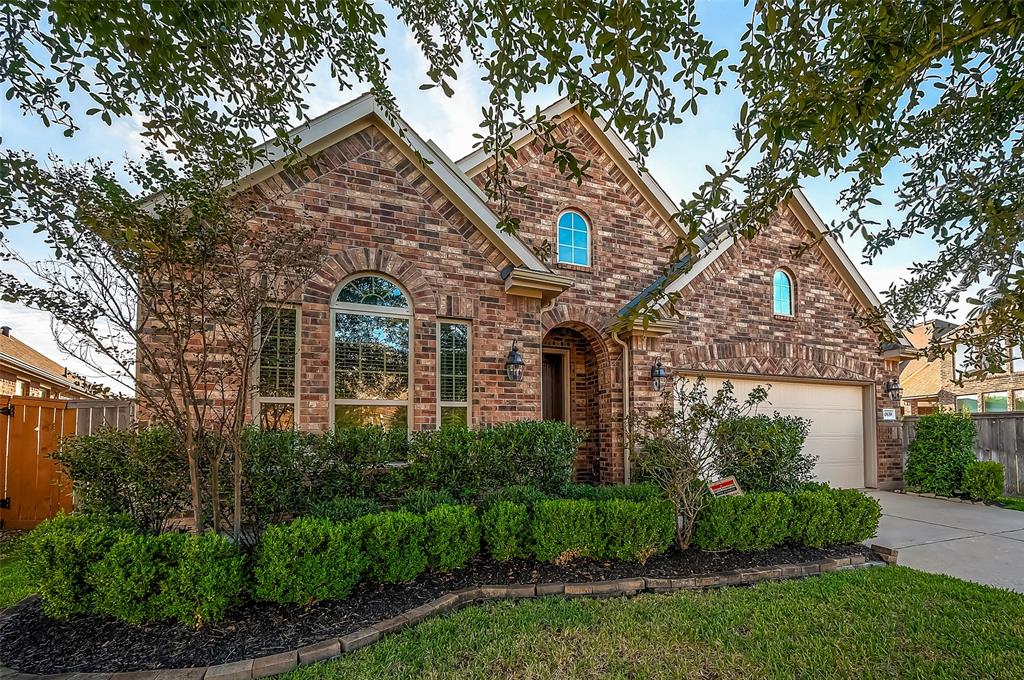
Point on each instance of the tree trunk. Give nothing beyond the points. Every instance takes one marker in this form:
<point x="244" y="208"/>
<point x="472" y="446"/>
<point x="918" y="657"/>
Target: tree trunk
<point x="215" y="487"/>
<point x="193" y="476"/>
<point x="238" y="491"/>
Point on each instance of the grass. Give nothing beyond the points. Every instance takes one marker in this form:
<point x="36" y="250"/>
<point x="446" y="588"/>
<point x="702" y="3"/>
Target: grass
<point x="15" y="581"/>
<point x="1012" y="503"/>
<point x="882" y="623"/>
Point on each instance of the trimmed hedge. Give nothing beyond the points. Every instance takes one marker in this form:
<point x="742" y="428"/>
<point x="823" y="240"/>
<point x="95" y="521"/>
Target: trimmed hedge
<point x="566" y="529"/>
<point x="394" y="545"/>
<point x="63" y="549"/>
<point x="983" y="480"/>
<point x="506" y="529"/>
<point x="308" y="560"/>
<point x="636" y="531"/>
<point x="453" y="536"/>
<point x="644" y="491"/>
<point x="752" y="522"/>
<point x="939" y="452"/>
<point x="345" y="509"/>
<point x="95" y="564"/>
<point x="833" y="516"/>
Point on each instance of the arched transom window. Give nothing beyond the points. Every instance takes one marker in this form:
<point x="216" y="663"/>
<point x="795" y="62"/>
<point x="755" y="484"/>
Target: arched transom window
<point x="370" y="372"/>
<point x="573" y="239"/>
<point x="782" y="286"/>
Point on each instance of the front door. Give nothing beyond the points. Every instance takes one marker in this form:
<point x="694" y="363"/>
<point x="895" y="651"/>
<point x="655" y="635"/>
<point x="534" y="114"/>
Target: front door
<point x="553" y="386"/>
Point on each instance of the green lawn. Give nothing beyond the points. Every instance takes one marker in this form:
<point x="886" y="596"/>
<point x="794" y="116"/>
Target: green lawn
<point x="880" y="623"/>
<point x="1012" y="503"/>
<point x="15" y="583"/>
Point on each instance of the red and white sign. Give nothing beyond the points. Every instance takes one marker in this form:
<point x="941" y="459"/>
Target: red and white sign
<point x="725" y="487"/>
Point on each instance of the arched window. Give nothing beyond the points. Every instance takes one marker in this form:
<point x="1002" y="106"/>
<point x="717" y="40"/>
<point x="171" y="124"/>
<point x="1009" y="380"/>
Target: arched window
<point x="573" y="239"/>
<point x="782" y="286"/>
<point x="371" y="352"/>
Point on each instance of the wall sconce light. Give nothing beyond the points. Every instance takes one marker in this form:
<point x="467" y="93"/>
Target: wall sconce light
<point x="658" y="373"/>
<point x="514" y="364"/>
<point x="893" y="389"/>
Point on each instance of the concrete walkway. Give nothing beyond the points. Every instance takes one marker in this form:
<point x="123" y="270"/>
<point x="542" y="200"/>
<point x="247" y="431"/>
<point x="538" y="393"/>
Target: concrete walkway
<point x="973" y="542"/>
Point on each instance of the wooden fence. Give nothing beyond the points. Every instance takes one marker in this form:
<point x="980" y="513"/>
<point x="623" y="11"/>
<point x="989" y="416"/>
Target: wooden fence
<point x="31" y="485"/>
<point x="1000" y="438"/>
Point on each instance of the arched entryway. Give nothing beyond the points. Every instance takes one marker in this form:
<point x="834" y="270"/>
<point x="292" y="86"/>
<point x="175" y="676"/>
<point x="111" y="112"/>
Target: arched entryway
<point x="574" y="390"/>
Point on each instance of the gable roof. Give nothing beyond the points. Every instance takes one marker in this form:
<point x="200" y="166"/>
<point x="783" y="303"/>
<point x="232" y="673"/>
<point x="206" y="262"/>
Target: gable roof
<point x="341" y="122"/>
<point x="611" y="142"/>
<point x="716" y="244"/>
<point x="18" y="355"/>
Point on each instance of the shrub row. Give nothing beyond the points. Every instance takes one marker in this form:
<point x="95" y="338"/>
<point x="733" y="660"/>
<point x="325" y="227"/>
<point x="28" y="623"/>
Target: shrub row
<point x="106" y="565"/>
<point x="143" y="472"/>
<point x="818" y="518"/>
<point x="560" y="530"/>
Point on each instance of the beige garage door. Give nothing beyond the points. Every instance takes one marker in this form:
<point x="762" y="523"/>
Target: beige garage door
<point x="836" y="413"/>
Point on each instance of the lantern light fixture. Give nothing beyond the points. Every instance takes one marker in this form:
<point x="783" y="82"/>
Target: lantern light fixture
<point x="894" y="389"/>
<point x="514" y="363"/>
<point x="658" y="373"/>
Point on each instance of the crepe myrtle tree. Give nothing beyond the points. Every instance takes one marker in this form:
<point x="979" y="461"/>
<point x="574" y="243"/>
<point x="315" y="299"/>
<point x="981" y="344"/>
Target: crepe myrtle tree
<point x="841" y="88"/>
<point x="676" y="445"/>
<point x="164" y="295"/>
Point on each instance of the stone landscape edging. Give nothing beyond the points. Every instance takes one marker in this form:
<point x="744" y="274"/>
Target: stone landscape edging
<point x="266" y="666"/>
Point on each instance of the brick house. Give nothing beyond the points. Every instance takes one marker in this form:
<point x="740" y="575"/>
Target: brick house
<point x="25" y="372"/>
<point x="931" y="385"/>
<point x="416" y="310"/>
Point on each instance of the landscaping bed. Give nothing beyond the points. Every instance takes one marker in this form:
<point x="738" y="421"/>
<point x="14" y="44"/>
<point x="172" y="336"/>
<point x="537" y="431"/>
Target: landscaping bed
<point x="35" y="643"/>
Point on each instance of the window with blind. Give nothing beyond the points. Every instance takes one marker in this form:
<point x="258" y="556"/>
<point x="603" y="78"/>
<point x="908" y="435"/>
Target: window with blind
<point x="371" y="352"/>
<point x="453" y="373"/>
<point x="277" y="376"/>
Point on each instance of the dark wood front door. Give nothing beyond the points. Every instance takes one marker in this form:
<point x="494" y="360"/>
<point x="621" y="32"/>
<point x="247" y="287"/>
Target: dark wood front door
<point x="553" y="386"/>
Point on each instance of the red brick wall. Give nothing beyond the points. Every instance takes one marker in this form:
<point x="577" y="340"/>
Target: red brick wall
<point x="380" y="213"/>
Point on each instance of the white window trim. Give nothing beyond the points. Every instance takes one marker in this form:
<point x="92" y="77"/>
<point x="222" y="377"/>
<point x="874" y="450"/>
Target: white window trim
<point x="590" y="238"/>
<point x="468" y="404"/>
<point x="294" y="399"/>
<point x="792" y="292"/>
<point x="369" y="310"/>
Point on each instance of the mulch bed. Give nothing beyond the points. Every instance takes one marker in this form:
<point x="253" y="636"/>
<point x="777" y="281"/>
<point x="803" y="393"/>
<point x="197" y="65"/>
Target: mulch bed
<point x="32" y="642"/>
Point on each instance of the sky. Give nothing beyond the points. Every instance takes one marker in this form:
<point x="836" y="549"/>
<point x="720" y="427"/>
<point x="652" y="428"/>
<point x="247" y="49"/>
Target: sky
<point x="677" y="162"/>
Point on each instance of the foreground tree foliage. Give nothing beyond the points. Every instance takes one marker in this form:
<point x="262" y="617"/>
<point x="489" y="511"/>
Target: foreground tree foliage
<point x="165" y="296"/>
<point x="840" y="88"/>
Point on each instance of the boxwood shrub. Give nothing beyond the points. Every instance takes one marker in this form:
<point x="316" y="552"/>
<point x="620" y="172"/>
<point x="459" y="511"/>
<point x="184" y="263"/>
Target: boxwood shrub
<point x="833" y="516"/>
<point x="522" y="494"/>
<point x="453" y="536"/>
<point x="310" y="559"/>
<point x="128" y="580"/>
<point x="506" y="530"/>
<point x="636" y="530"/>
<point x="345" y="509"/>
<point x="629" y="492"/>
<point x="207" y="579"/>
<point x="983" y="480"/>
<point x="394" y="546"/>
<point x="566" y="529"/>
<point x="105" y="565"/>
<point x="752" y="522"/>
<point x="61" y="552"/>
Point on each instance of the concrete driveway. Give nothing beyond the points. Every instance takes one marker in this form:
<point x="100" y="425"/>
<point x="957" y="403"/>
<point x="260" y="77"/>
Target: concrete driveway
<point x="973" y="542"/>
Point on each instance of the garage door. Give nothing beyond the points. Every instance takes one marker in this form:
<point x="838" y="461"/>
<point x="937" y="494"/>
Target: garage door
<point x="836" y="413"/>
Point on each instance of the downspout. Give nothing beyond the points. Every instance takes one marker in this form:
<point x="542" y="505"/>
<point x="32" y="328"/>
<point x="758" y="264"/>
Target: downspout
<point x="626" y="381"/>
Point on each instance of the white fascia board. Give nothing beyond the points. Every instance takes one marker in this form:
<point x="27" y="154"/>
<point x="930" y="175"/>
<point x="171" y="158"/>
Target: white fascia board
<point x="320" y="132"/>
<point x="861" y="286"/>
<point x="476" y="160"/>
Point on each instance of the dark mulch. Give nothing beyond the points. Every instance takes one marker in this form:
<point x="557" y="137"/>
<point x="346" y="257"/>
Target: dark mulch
<point x="32" y="642"/>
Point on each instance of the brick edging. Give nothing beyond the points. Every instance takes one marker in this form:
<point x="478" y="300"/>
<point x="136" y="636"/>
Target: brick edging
<point x="265" y="666"/>
<point x="950" y="499"/>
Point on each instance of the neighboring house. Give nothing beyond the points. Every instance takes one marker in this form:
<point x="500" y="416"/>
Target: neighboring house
<point x="24" y="372"/>
<point x="932" y="385"/>
<point x="413" y="317"/>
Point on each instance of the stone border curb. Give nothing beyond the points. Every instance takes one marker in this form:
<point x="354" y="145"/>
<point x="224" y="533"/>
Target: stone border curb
<point x="949" y="499"/>
<point x="274" y="664"/>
